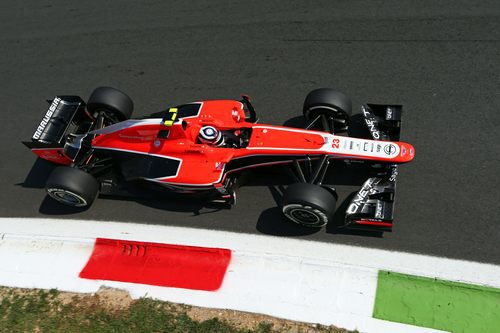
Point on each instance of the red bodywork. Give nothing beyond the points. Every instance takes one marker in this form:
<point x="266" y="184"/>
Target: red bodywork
<point x="55" y="155"/>
<point x="203" y="165"/>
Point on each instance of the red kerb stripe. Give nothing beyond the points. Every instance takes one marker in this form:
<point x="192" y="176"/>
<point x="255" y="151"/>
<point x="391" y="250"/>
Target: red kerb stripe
<point x="158" y="264"/>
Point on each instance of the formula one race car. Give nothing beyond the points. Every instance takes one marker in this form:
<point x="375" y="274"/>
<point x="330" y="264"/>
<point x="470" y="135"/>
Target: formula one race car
<point x="203" y="147"/>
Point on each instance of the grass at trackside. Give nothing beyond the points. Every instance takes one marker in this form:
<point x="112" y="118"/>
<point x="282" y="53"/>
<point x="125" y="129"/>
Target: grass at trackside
<point x="46" y="311"/>
<point x="440" y="304"/>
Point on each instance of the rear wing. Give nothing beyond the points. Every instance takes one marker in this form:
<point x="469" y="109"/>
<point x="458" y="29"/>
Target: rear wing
<point x="52" y="129"/>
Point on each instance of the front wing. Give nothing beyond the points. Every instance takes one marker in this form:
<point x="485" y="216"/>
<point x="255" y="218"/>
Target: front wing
<point x="372" y="207"/>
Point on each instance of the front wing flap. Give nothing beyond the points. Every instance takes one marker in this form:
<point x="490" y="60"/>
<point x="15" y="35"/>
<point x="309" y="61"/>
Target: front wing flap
<point x="372" y="207"/>
<point x="383" y="121"/>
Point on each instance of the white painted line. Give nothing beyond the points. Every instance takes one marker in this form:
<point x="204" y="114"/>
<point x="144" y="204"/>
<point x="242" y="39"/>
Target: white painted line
<point x="300" y="280"/>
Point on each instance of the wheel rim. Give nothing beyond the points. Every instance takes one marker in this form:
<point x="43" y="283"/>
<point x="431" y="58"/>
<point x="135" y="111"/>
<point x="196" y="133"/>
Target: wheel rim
<point x="67" y="197"/>
<point x="304" y="216"/>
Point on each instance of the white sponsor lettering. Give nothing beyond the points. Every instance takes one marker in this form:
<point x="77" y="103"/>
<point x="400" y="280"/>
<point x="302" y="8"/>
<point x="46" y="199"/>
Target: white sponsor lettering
<point x="138" y="138"/>
<point x="236" y="115"/>
<point x="373" y="129"/>
<point x="394" y="175"/>
<point x="46" y="118"/>
<point x="360" y="197"/>
<point x="371" y="124"/>
<point x="378" y="211"/>
<point x="389" y="113"/>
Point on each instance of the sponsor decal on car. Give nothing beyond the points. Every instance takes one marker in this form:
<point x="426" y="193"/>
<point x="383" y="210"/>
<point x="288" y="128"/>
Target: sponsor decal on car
<point x="236" y="116"/>
<point x="46" y="118"/>
<point x="370" y="122"/>
<point x="219" y="165"/>
<point x="136" y="137"/>
<point x="378" y="210"/>
<point x="394" y="174"/>
<point x="390" y="149"/>
<point x="361" y="147"/>
<point x="335" y="143"/>
<point x="389" y="113"/>
<point x="360" y="198"/>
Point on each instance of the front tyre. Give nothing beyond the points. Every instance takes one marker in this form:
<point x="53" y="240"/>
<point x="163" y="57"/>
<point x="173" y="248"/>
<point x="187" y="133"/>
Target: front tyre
<point x="308" y="204"/>
<point x="72" y="187"/>
<point x="334" y="105"/>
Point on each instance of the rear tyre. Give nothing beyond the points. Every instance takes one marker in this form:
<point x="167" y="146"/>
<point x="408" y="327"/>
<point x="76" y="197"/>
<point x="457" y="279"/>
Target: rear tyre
<point x="72" y="187"/>
<point x="308" y="204"/>
<point x="112" y="101"/>
<point x="331" y="103"/>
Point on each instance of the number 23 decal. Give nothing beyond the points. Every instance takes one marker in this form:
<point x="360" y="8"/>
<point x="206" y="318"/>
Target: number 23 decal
<point x="335" y="143"/>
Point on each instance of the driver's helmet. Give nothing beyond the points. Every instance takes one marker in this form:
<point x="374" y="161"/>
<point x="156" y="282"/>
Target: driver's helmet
<point x="211" y="136"/>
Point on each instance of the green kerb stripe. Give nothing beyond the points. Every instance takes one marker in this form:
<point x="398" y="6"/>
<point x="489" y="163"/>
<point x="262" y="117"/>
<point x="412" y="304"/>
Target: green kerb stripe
<point x="439" y="304"/>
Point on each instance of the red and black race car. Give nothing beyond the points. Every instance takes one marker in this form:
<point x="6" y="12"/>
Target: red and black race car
<point x="203" y="147"/>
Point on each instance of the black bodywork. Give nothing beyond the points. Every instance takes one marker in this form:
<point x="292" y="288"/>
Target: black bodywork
<point x="372" y="207"/>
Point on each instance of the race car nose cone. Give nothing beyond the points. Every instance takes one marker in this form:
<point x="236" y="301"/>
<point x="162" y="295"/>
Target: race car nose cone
<point x="407" y="152"/>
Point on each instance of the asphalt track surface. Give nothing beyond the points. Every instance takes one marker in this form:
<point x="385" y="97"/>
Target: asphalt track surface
<point x="439" y="59"/>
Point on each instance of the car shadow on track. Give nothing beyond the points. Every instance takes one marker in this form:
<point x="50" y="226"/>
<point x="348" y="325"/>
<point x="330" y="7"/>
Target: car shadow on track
<point x="36" y="178"/>
<point x="160" y="201"/>
<point x="41" y="169"/>
<point x="39" y="172"/>
<point x="194" y="206"/>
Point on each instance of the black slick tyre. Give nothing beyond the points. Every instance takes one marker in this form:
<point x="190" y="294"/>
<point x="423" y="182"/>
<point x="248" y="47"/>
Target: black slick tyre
<point x="308" y="204"/>
<point x="330" y="102"/>
<point x="72" y="187"/>
<point x="113" y="101"/>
